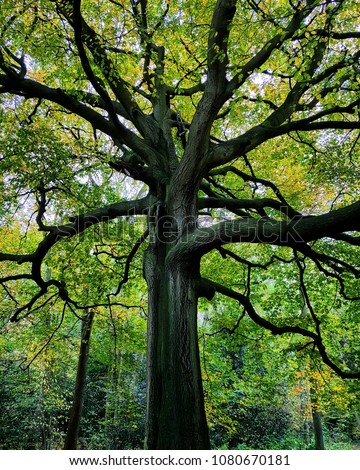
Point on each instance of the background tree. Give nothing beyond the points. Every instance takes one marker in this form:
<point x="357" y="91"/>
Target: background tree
<point x="232" y="130"/>
<point x="72" y="435"/>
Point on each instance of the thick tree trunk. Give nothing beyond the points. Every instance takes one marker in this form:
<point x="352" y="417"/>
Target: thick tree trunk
<point x="175" y="402"/>
<point x="71" y="439"/>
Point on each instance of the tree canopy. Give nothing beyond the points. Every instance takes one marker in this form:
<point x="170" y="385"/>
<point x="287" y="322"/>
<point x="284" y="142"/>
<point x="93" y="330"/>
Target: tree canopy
<point x="194" y="150"/>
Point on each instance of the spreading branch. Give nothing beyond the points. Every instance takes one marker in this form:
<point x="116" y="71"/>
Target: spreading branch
<point x="295" y="233"/>
<point x="77" y="225"/>
<point x="280" y="330"/>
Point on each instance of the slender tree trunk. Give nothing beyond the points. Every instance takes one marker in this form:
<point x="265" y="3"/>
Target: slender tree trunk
<point x="71" y="439"/>
<point x="175" y="401"/>
<point x="318" y="431"/>
<point x="317" y="423"/>
<point x="357" y="421"/>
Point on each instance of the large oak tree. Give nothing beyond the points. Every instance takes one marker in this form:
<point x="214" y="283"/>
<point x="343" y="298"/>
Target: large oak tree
<point x="205" y="104"/>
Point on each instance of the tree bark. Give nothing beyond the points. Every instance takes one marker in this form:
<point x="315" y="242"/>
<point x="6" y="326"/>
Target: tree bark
<point x="316" y="417"/>
<point x="175" y="401"/>
<point x="72" y="435"/>
<point x="318" y="431"/>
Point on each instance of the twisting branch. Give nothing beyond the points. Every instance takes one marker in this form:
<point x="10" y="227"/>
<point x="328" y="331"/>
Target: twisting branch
<point x="258" y="204"/>
<point x="295" y="233"/>
<point x="29" y="119"/>
<point x="219" y="186"/>
<point x="279" y="330"/>
<point x="129" y="259"/>
<point x="302" y="266"/>
<point x="227" y="330"/>
<point x="146" y="125"/>
<point x="355" y="241"/>
<point x="338" y="268"/>
<point x="190" y="170"/>
<point x="206" y="188"/>
<point x="78" y="30"/>
<point x="12" y="83"/>
<point x="28" y="307"/>
<point x="47" y="342"/>
<point x="224" y="253"/>
<point x="101" y="58"/>
<point x="76" y="226"/>
<point x="275" y="43"/>
<point x="275" y="124"/>
<point x="41" y="201"/>
<point x="95" y="100"/>
<point x="146" y="36"/>
<point x="252" y="178"/>
<point x="217" y="55"/>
